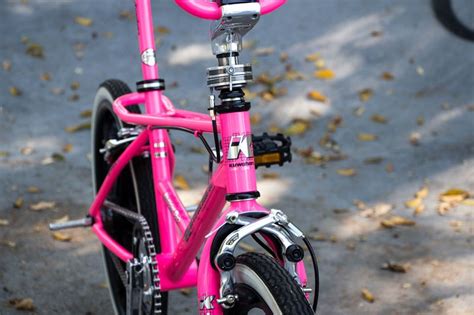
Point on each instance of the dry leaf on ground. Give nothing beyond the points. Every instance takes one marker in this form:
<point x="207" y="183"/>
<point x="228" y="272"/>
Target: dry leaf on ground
<point x="413" y="203"/>
<point x="387" y="76"/>
<point x="43" y="205"/>
<point x="359" y="111"/>
<point x="186" y="291"/>
<point x="373" y="160"/>
<point x="298" y="127"/>
<point x="394" y="267"/>
<point x="378" y="210"/>
<point x="380" y="119"/>
<point x="7" y="243"/>
<point x="33" y="190"/>
<point x="4" y="222"/>
<point x="366" y="94"/>
<point x="83" y="21"/>
<point x="181" y="183"/>
<point x="22" y="304"/>
<point x="270" y="175"/>
<point x="62" y="237"/>
<point x="312" y="57"/>
<point x="45" y="76"/>
<point x="256" y="118"/>
<point x="18" y="203"/>
<point x="35" y="50"/>
<point x="366" y="137"/>
<point x="78" y="127"/>
<point x="67" y="148"/>
<point x="454" y="195"/>
<point x="14" y="91"/>
<point x="395" y="221"/>
<point x="346" y="172"/>
<point x="367" y="295"/>
<point x="317" y="96"/>
<point x="324" y="74"/>
<point x="163" y="30"/>
<point x="444" y="208"/>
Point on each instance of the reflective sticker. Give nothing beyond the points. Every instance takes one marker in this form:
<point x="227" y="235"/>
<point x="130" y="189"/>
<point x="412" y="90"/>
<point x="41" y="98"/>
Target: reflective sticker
<point x="206" y="303"/>
<point x="237" y="144"/>
<point x="149" y="57"/>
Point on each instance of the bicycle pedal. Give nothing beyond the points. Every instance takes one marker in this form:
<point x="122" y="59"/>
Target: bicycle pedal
<point x="271" y="149"/>
<point x="84" y="222"/>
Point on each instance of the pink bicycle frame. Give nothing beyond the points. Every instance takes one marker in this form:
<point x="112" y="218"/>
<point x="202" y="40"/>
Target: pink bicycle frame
<point x="181" y="237"/>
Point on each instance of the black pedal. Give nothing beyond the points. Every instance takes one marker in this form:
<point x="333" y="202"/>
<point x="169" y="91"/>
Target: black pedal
<point x="271" y="150"/>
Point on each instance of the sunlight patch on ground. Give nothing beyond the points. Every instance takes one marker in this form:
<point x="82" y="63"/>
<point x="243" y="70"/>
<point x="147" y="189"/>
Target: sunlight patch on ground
<point x="190" y="54"/>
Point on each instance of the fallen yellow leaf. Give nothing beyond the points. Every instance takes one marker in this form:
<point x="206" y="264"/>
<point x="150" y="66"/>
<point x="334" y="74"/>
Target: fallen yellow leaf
<point x="420" y="209"/>
<point x="14" y="91"/>
<point x="284" y="57"/>
<point x="83" y="21"/>
<point x="256" y="118"/>
<point x="43" y="205"/>
<point x="367" y="295"/>
<point x="33" y="190"/>
<point x="414" y="203"/>
<point x="35" y="50"/>
<point x="346" y="172"/>
<point x="298" y="127"/>
<point x="67" y="148"/>
<point x="366" y="137"/>
<point x="78" y="127"/>
<point x="62" y="237"/>
<point x="270" y="175"/>
<point x="312" y="57"/>
<point x="454" y="195"/>
<point x="391" y="266"/>
<point x="293" y="75"/>
<point x="181" y="183"/>
<point x="324" y="74"/>
<point x="387" y="76"/>
<point x="22" y="304"/>
<point x="163" y="30"/>
<point x="366" y="94"/>
<point x="10" y="244"/>
<point x="468" y="202"/>
<point x="45" y="76"/>
<point x="320" y="63"/>
<point x="380" y="119"/>
<point x="444" y="208"/>
<point x="18" y="203"/>
<point x="317" y="96"/>
<point x="422" y="193"/>
<point x="395" y="221"/>
<point x="75" y="85"/>
<point x="4" y="222"/>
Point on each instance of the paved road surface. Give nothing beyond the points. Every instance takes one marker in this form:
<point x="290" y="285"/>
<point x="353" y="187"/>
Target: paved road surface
<point x="359" y="40"/>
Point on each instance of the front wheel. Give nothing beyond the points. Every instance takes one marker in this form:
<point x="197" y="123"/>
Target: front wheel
<point x="262" y="286"/>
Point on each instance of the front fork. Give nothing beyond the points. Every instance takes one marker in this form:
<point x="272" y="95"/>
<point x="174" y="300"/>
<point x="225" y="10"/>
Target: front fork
<point x="215" y="276"/>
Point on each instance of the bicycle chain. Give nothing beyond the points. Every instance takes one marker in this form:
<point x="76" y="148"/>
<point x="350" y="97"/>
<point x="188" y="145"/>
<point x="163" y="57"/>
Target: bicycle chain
<point x="140" y="219"/>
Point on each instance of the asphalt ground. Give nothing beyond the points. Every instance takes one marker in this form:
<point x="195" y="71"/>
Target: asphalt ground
<point x="419" y="116"/>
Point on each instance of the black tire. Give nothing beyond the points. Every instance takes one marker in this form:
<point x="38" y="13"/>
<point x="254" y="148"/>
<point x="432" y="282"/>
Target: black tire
<point x="262" y="284"/>
<point x="445" y="14"/>
<point x="132" y="190"/>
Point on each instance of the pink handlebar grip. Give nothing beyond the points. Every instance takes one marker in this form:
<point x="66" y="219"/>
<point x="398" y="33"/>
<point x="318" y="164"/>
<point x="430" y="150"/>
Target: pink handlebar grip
<point x="211" y="11"/>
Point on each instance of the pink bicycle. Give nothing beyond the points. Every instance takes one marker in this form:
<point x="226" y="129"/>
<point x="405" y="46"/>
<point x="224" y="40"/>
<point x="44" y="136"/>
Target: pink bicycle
<point x="150" y="240"/>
